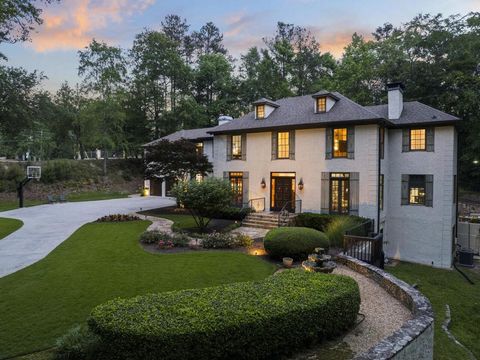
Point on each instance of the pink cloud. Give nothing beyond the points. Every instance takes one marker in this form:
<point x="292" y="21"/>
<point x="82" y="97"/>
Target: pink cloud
<point x="72" y="24"/>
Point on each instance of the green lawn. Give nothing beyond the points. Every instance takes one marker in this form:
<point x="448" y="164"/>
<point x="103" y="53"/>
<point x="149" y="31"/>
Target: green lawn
<point x="448" y="287"/>
<point x="186" y="222"/>
<point x="84" y="196"/>
<point x="8" y="226"/>
<point x="98" y="262"/>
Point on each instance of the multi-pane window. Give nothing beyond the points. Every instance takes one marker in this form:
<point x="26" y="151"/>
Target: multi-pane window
<point x="321" y="104"/>
<point x="283" y="145"/>
<point x="416" y="189"/>
<point x="381" y="187"/>
<point x="260" y="111"/>
<point x="417" y="139"/>
<point x="236" y="182"/>
<point x="236" y="146"/>
<point x="339" y="193"/>
<point x="340" y="142"/>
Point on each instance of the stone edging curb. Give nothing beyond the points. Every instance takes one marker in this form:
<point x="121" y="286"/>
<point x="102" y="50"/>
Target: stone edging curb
<point x="415" y="338"/>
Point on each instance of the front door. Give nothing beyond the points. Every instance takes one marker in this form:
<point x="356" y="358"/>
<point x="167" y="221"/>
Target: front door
<point x="283" y="193"/>
<point x="339" y="193"/>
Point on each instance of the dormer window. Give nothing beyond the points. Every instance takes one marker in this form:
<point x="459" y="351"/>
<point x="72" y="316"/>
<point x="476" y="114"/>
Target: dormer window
<point x="264" y="107"/>
<point x="260" y="111"/>
<point x="321" y="104"/>
<point x="324" y="101"/>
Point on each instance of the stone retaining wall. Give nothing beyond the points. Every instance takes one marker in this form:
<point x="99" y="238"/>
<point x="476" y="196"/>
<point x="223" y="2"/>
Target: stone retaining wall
<point x="414" y="340"/>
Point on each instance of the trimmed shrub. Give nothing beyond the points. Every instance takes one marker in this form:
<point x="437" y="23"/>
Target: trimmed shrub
<point x="79" y="343"/>
<point x="118" y="218"/>
<point x="232" y="213"/>
<point x="320" y="221"/>
<point x="294" y="242"/>
<point x="218" y="240"/>
<point x="250" y="320"/>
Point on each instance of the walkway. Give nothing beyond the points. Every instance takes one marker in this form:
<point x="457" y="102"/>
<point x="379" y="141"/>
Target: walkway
<point x="47" y="226"/>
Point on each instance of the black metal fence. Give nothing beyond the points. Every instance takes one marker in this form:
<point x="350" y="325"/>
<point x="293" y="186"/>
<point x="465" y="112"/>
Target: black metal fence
<point x="362" y="243"/>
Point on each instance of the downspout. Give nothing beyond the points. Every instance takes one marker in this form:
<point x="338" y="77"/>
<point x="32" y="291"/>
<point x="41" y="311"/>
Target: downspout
<point x="378" y="177"/>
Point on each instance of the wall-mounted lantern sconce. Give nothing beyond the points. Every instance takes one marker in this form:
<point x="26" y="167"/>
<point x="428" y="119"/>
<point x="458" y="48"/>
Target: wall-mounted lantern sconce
<point x="300" y="184"/>
<point x="263" y="184"/>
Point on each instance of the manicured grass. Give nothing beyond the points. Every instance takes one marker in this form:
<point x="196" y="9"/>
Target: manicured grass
<point x="186" y="222"/>
<point x="8" y="226"/>
<point x="84" y="196"/>
<point x="448" y="287"/>
<point x="98" y="262"/>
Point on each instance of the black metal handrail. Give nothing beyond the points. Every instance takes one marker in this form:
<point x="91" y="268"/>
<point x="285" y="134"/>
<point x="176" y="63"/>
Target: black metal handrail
<point x="284" y="214"/>
<point x="362" y="243"/>
<point x="261" y="199"/>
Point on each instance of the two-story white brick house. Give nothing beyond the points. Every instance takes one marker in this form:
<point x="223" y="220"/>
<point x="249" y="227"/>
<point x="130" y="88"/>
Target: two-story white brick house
<point x="394" y="163"/>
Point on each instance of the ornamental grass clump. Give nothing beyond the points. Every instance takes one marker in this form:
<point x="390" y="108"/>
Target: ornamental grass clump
<point x="249" y="320"/>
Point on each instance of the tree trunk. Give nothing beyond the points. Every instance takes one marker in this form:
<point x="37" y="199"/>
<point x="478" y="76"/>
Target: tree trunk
<point x="105" y="156"/>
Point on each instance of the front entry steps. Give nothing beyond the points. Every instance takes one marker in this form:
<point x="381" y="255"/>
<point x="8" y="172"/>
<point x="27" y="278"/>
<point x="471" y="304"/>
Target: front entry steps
<point x="265" y="220"/>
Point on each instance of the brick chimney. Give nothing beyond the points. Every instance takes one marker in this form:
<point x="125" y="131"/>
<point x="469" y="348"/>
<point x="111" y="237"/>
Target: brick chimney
<point x="395" y="99"/>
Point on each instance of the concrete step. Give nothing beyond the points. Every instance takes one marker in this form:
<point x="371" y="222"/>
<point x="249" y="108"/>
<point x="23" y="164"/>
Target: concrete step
<point x="260" y="222"/>
<point x="262" y="216"/>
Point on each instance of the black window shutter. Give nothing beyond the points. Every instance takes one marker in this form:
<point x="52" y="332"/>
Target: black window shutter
<point x="351" y="142"/>
<point x="429" y="190"/>
<point x="405" y="189"/>
<point x="405" y="140"/>
<point x="229" y="147"/>
<point x="328" y="143"/>
<point x="225" y="175"/>
<point x="430" y="139"/>
<point x="292" y="144"/>
<point x="245" y="188"/>
<point x="244" y="147"/>
<point x="325" y="196"/>
<point x="274" y="145"/>
<point x="354" y="192"/>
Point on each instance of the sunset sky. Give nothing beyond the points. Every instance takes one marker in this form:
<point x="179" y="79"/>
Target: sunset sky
<point x="70" y="25"/>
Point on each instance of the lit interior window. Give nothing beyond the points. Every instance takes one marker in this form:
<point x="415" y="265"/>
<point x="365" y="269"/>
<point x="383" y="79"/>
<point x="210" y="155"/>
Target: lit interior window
<point x="199" y="148"/>
<point x="260" y="111"/>
<point x="340" y="142"/>
<point x="417" y="139"/>
<point x="321" y="104"/>
<point x="236" y="181"/>
<point x="416" y="189"/>
<point x="237" y="146"/>
<point x="283" y="145"/>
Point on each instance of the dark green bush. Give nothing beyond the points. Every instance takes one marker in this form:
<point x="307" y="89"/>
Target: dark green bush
<point x="232" y="213"/>
<point x="79" y="343"/>
<point x="161" y="238"/>
<point x="9" y="176"/>
<point x="250" y="320"/>
<point x="294" y="242"/>
<point x="320" y="221"/>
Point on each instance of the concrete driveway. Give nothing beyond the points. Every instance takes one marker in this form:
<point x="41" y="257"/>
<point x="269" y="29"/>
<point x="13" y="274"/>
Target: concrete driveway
<point x="47" y="226"/>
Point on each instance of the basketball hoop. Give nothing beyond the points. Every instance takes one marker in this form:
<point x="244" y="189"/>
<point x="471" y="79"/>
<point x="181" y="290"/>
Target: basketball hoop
<point x="34" y="172"/>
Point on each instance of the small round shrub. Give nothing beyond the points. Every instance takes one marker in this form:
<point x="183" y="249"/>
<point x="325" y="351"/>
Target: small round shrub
<point x="294" y="242"/>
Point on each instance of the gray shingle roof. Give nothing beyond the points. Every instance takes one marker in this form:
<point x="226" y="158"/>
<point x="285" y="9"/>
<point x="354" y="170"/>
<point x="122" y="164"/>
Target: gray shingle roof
<point x="192" y="134"/>
<point x="266" y="101"/>
<point x="415" y="112"/>
<point x="299" y="112"/>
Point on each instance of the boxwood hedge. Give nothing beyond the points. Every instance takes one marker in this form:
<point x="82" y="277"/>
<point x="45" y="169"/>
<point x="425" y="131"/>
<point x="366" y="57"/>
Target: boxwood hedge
<point x="251" y="320"/>
<point x="294" y="242"/>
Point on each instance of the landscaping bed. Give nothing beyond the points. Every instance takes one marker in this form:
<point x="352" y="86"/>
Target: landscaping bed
<point x="252" y="320"/>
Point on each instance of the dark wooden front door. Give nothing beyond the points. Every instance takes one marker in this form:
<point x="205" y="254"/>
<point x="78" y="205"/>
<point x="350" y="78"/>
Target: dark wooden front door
<point x="283" y="193"/>
<point x="236" y="181"/>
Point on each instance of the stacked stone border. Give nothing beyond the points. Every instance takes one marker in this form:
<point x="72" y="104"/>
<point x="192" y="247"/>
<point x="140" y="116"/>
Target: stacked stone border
<point x="414" y="340"/>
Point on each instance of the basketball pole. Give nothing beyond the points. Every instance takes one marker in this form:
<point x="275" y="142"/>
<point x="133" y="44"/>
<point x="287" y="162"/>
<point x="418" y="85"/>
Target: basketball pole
<point x="20" y="186"/>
